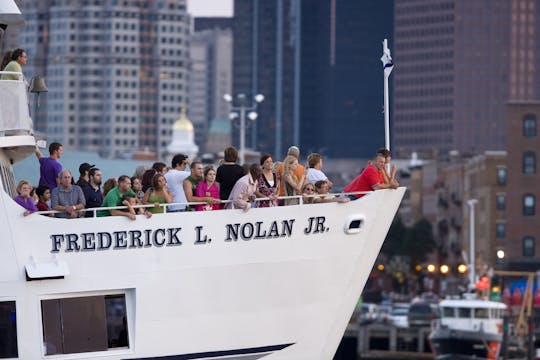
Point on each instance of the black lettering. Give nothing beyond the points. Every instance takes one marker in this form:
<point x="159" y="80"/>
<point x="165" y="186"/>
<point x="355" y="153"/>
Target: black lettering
<point x="173" y="239"/>
<point x="320" y="224"/>
<point x="120" y="241"/>
<point x="135" y="236"/>
<point x="88" y="241"/>
<point x="308" y="228"/>
<point x="104" y="240"/>
<point x="258" y="232"/>
<point x="156" y="241"/>
<point x="273" y="230"/>
<point x="56" y="242"/>
<point x="232" y="230"/>
<point x="72" y="242"/>
<point x="198" y="238"/>
<point x="286" y="229"/>
<point x="147" y="241"/>
<point x="250" y="228"/>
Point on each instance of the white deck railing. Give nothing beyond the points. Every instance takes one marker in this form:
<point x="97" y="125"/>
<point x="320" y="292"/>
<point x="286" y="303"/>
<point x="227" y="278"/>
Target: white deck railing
<point x="14" y="115"/>
<point x="300" y="197"/>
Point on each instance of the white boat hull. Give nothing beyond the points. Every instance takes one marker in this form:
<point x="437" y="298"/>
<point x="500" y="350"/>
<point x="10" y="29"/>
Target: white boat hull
<point x="294" y="291"/>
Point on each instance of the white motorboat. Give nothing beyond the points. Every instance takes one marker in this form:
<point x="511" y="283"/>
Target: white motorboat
<point x="468" y="329"/>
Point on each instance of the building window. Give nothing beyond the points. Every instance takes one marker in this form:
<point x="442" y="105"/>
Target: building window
<point x="528" y="205"/>
<point x="501" y="202"/>
<point x="529" y="125"/>
<point x="8" y="330"/>
<point x="501" y="175"/>
<point x="84" y="324"/>
<point x="529" y="163"/>
<point x="500" y="230"/>
<point x="529" y="246"/>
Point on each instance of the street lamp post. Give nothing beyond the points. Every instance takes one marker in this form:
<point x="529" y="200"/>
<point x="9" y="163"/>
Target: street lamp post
<point x="242" y="108"/>
<point x="472" y="250"/>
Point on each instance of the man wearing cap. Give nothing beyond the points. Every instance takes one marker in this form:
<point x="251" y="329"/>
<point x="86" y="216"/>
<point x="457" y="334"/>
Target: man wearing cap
<point x="84" y="168"/>
<point x="92" y="191"/>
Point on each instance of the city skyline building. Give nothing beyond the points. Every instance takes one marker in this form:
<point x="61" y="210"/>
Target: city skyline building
<point x="210" y="76"/>
<point x="117" y="72"/>
<point x="320" y="71"/>
<point x="457" y="64"/>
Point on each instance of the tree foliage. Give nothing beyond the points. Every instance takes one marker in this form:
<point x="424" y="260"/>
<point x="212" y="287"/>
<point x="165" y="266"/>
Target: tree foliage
<point x="416" y="241"/>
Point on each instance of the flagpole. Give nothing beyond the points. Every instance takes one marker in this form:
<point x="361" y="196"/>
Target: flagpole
<point x="387" y="68"/>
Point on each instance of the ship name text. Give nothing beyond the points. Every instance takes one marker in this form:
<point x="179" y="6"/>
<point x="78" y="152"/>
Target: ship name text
<point x="176" y="236"/>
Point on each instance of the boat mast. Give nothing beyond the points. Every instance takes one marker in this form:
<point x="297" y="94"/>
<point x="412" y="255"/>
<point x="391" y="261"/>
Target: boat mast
<point x="388" y="65"/>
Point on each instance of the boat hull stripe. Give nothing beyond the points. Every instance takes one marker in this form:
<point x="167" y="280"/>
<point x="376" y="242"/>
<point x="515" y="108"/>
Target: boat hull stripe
<point x="218" y="354"/>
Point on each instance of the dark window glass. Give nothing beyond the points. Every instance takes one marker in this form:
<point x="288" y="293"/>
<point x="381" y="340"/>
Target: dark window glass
<point x="529" y="125"/>
<point x="529" y="163"/>
<point x="529" y="245"/>
<point x="528" y="205"/>
<point x="501" y="176"/>
<point x="8" y="330"/>
<point x="501" y="230"/>
<point x="84" y="324"/>
<point x="501" y="201"/>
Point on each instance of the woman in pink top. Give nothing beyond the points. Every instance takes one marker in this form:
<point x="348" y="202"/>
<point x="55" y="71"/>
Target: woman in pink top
<point x="208" y="187"/>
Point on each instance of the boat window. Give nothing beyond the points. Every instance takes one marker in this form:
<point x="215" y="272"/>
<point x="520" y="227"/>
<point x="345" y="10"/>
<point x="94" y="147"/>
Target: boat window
<point x="8" y="330"/>
<point x="464" y="312"/>
<point x="448" y="312"/>
<point x="481" y="313"/>
<point x="84" y="324"/>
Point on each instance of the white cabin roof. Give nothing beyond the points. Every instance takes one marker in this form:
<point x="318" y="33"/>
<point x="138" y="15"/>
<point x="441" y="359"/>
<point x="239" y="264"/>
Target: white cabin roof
<point x="470" y="303"/>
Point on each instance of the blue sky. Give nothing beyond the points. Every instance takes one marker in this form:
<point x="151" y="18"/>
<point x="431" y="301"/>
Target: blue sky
<point x="210" y="7"/>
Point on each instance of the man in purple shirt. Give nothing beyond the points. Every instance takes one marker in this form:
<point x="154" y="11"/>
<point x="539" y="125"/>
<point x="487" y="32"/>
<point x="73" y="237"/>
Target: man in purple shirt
<point x="50" y="168"/>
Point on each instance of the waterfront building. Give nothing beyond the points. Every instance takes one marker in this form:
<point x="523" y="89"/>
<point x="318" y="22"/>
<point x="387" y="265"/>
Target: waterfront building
<point x="522" y="178"/>
<point x="117" y="72"/>
<point x="481" y="181"/>
<point x="320" y="71"/>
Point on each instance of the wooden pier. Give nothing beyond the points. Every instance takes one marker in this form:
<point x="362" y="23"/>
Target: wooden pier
<point x="385" y="341"/>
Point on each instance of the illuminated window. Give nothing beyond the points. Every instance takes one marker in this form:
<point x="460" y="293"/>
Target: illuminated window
<point x="528" y="205"/>
<point x="501" y="176"/>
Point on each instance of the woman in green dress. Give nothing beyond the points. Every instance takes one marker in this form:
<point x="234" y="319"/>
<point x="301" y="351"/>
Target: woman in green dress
<point x="157" y="194"/>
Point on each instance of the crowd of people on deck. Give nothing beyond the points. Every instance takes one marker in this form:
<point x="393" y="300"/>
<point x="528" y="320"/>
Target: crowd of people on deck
<point x="229" y="186"/>
<point x="159" y="188"/>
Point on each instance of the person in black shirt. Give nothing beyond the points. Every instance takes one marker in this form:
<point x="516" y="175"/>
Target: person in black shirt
<point x="92" y="191"/>
<point x="228" y="173"/>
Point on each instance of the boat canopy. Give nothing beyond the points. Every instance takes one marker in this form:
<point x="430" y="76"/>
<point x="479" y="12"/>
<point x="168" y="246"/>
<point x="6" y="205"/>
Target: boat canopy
<point x="10" y="15"/>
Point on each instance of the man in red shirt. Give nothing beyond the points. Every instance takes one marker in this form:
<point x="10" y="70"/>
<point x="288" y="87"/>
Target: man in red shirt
<point x="370" y="179"/>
